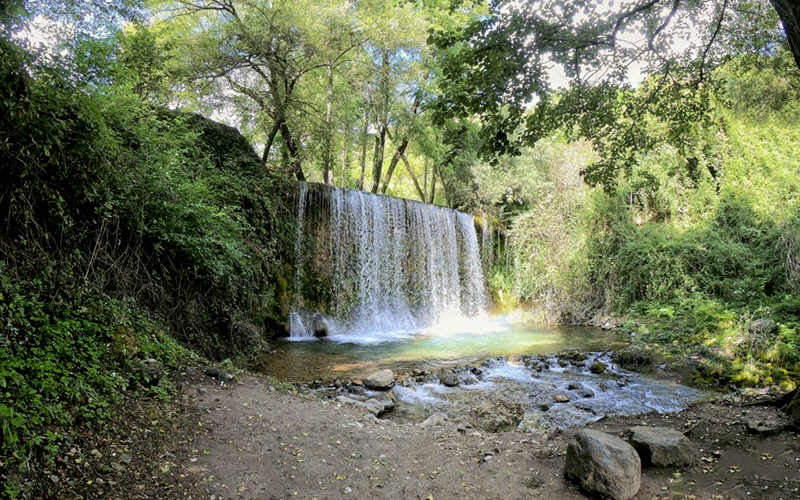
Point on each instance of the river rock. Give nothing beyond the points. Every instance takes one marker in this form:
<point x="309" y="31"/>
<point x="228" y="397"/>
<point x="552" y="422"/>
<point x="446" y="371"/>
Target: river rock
<point x="448" y="378"/>
<point x="380" y="381"/>
<point x="560" y="398"/>
<point x="662" y="447"/>
<point x="372" y="405"/>
<point x="585" y="392"/>
<point x="437" y="418"/>
<point x="603" y="465"/>
<point x="598" y="367"/>
<point x="496" y="415"/>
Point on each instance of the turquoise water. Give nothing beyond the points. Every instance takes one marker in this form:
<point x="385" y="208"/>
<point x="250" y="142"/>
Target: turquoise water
<point x="458" y="343"/>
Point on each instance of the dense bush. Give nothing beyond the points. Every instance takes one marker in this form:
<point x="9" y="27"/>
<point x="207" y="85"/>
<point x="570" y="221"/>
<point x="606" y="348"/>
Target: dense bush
<point x="122" y="221"/>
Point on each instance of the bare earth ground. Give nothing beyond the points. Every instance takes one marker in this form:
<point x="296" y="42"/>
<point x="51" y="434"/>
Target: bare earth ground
<point x="251" y="441"/>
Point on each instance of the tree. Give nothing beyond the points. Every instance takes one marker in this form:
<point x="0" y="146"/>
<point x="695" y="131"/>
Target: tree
<point x="261" y="51"/>
<point x="500" y="67"/>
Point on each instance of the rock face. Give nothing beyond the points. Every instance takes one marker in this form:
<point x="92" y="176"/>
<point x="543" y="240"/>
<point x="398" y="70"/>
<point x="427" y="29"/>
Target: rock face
<point x="380" y="381"/>
<point x="448" y="378"/>
<point x="603" y="465"/>
<point x="662" y="447"/>
<point x="496" y="415"/>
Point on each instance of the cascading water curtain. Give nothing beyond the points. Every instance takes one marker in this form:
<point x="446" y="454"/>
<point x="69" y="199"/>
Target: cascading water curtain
<point x="390" y="264"/>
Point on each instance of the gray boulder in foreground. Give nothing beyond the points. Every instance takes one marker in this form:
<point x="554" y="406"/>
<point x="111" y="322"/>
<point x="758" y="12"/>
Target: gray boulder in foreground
<point x="662" y="447"/>
<point x="380" y="381"/>
<point x="603" y="465"/>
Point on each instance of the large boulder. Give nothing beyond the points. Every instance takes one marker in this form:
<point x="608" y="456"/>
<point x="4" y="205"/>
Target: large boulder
<point x="662" y="447"/>
<point x="497" y="415"/>
<point x="380" y="381"/>
<point x="603" y="465"/>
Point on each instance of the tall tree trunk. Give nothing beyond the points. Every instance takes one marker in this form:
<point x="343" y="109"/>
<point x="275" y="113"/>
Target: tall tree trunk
<point x="377" y="160"/>
<point x="425" y="179"/>
<point x="420" y="192"/>
<point x="789" y="12"/>
<point x="382" y="113"/>
<point x="433" y="185"/>
<point x="296" y="166"/>
<point x="327" y="148"/>
<point x="401" y="150"/>
<point x="345" y="152"/>
<point x="364" y="138"/>
<point x="273" y="131"/>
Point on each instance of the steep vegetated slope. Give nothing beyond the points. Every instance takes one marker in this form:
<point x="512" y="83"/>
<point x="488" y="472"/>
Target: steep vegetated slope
<point x="126" y="227"/>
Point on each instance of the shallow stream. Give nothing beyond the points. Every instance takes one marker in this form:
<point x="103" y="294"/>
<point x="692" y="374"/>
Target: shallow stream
<point x="494" y="357"/>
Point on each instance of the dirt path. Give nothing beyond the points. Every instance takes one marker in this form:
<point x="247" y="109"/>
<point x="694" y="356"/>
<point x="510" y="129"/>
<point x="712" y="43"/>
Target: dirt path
<point x="255" y="442"/>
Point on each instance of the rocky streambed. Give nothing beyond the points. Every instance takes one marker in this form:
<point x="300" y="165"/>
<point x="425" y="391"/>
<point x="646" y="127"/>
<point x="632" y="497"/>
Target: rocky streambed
<point x="538" y="394"/>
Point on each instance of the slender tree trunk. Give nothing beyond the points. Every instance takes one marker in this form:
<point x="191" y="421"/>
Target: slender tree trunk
<point x="382" y="122"/>
<point x="296" y="166"/>
<point x="345" y="152"/>
<point x="327" y="149"/>
<point x="789" y="12"/>
<point x="433" y="185"/>
<point x="444" y="188"/>
<point x="377" y="160"/>
<point x="364" y="138"/>
<point x="420" y="192"/>
<point x="273" y="131"/>
<point x="425" y="179"/>
<point x="401" y="150"/>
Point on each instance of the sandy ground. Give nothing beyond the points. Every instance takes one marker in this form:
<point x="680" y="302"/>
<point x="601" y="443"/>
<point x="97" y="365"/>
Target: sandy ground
<point x="251" y="441"/>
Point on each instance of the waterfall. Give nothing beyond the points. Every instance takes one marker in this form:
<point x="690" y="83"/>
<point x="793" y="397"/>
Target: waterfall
<point x="368" y="264"/>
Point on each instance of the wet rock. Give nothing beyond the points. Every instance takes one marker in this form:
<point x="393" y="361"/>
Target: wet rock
<point x="380" y="381"/>
<point x="585" y="392"/>
<point x="319" y="326"/>
<point x="152" y="371"/>
<point x="574" y="386"/>
<point x="563" y="363"/>
<point x="496" y="415"/>
<point x="762" y="326"/>
<point x="598" y="367"/>
<point x="355" y="389"/>
<point x="662" y="447"/>
<point x="544" y="406"/>
<point x="573" y="354"/>
<point x="603" y="465"/>
<point x="448" y="378"/>
<point x="633" y="358"/>
<point x="437" y="418"/>
<point x="560" y="398"/>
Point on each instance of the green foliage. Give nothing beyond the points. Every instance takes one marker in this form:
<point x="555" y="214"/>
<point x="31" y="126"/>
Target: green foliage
<point x="66" y="358"/>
